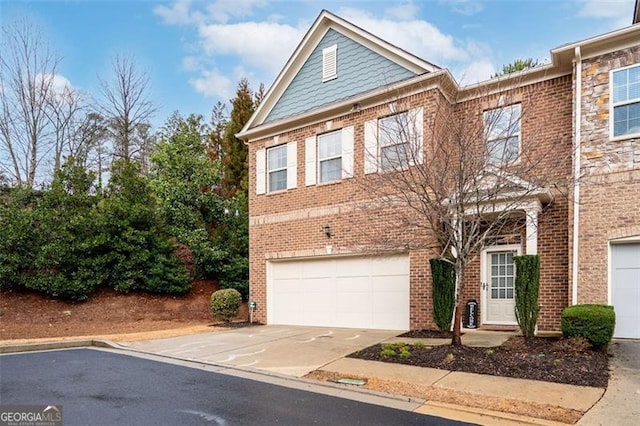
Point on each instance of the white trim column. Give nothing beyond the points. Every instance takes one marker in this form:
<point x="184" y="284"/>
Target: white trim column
<point x="532" y="229"/>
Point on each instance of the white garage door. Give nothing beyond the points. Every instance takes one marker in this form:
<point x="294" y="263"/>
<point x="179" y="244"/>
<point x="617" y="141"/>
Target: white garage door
<point x="358" y="292"/>
<point x="625" y="289"/>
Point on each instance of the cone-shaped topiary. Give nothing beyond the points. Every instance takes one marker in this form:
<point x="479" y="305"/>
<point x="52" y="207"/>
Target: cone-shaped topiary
<point x="443" y="290"/>
<point x="527" y="288"/>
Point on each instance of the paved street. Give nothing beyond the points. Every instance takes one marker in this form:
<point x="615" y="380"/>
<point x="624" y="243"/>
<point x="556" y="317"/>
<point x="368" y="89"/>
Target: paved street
<point x="106" y="388"/>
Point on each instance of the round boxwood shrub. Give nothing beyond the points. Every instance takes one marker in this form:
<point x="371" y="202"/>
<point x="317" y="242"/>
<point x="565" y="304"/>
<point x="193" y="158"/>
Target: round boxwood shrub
<point x="595" y="323"/>
<point x="225" y="304"/>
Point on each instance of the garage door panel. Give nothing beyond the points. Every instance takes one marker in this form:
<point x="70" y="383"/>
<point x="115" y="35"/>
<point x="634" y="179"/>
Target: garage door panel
<point x="625" y="289"/>
<point x="389" y="284"/>
<point x="397" y="265"/>
<point x="340" y="292"/>
<point x="318" y="269"/>
<point x="289" y="270"/>
<point x="353" y="285"/>
<point x="353" y="267"/>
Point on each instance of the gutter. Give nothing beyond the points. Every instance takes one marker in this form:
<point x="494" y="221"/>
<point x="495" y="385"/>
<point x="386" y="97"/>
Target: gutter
<point x="576" y="175"/>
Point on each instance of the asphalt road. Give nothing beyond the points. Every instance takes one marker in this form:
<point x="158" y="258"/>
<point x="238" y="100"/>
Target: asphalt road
<point x="104" y="388"/>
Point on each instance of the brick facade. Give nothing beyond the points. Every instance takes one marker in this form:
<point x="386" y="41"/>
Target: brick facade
<point x="288" y="224"/>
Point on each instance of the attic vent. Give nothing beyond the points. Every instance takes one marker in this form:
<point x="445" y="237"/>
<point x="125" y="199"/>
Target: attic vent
<point x="330" y="63"/>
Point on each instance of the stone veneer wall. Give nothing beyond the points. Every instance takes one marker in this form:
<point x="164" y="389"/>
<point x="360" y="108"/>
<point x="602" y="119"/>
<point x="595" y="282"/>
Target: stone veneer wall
<point x="609" y="188"/>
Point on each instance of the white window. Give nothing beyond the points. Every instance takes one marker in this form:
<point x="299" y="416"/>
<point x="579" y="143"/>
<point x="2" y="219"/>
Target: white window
<point x="329" y="157"/>
<point x="330" y="63"/>
<point x="394" y="142"/>
<point x="393" y="136"/>
<point x="277" y="168"/>
<point x="625" y="101"/>
<point x="502" y="130"/>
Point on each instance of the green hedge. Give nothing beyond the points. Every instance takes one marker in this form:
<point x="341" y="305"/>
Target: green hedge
<point x="595" y="323"/>
<point x="443" y="291"/>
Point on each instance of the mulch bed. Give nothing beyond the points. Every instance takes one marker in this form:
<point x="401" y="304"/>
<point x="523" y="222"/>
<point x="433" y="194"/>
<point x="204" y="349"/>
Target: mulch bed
<point x="557" y="360"/>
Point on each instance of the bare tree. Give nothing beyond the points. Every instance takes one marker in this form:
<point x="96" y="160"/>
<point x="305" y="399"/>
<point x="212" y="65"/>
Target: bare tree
<point x="448" y="176"/>
<point x="27" y="73"/>
<point x="125" y="105"/>
<point x="66" y="111"/>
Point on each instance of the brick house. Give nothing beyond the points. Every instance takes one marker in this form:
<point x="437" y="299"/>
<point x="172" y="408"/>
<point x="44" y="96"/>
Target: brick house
<point x="322" y="250"/>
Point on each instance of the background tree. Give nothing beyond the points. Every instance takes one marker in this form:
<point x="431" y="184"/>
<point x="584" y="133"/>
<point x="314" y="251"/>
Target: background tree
<point x="27" y="72"/>
<point x="517" y="65"/>
<point x="125" y="105"/>
<point x="233" y="151"/>
<point x="184" y="179"/>
<point x="448" y="191"/>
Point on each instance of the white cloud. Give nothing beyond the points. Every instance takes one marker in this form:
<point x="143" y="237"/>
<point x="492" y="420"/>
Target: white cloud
<point x="263" y="45"/>
<point x="213" y="84"/>
<point x="465" y="7"/>
<point x="223" y="10"/>
<point x="418" y="37"/>
<point x="475" y="72"/>
<point x="619" y="12"/>
<point x="178" y="14"/>
<point x="59" y="83"/>
<point x="404" y="11"/>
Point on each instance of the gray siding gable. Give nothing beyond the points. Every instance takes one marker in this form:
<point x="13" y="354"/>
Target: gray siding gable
<point x="360" y="70"/>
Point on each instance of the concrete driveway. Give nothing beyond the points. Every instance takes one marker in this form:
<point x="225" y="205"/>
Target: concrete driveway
<point x="620" y="404"/>
<point x="289" y="350"/>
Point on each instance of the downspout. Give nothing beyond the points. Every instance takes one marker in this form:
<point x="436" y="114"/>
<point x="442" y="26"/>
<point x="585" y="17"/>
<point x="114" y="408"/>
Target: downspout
<point x="576" y="174"/>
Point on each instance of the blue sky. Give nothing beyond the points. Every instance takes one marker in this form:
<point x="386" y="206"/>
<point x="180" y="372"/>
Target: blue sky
<point x="196" y="51"/>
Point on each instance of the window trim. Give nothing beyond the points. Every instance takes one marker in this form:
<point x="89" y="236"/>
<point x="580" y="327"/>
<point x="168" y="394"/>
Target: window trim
<point x="269" y="170"/>
<point x="505" y="139"/>
<point x="320" y="160"/>
<point x="613" y="104"/>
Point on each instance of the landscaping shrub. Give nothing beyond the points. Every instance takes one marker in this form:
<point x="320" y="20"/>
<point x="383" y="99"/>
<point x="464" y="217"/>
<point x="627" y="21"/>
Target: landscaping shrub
<point x="595" y="323"/>
<point x="443" y="291"/>
<point x="225" y="304"/>
<point x="527" y="288"/>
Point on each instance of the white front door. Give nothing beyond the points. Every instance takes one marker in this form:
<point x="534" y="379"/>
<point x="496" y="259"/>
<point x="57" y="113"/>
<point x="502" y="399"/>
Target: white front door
<point x="499" y="274"/>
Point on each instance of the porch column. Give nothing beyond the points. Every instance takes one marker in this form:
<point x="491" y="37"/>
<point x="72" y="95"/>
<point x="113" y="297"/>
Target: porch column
<point x="532" y="230"/>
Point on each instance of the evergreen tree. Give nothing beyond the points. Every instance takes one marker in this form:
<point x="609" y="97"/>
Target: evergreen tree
<point x="233" y="151"/>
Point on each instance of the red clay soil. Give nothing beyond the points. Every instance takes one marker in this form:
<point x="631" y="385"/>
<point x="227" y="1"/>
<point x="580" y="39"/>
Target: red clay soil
<point x="29" y="315"/>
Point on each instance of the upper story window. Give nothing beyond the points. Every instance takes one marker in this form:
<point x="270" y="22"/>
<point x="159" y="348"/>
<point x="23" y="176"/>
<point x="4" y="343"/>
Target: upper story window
<point x="502" y="130"/>
<point x="393" y="137"/>
<point x="329" y="156"/>
<point x="625" y="101"/>
<point x="394" y="142"/>
<point x="329" y="63"/>
<point x="277" y="168"/>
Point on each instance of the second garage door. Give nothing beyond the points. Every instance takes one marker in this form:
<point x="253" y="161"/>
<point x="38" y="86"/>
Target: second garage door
<point x="625" y="289"/>
<point x="358" y="292"/>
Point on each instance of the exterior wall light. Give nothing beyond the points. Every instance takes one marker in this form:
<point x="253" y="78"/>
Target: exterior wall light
<point x="327" y="230"/>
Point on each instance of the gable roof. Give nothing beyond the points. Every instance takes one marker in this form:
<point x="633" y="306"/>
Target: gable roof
<point x="327" y="21"/>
